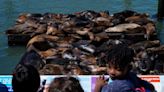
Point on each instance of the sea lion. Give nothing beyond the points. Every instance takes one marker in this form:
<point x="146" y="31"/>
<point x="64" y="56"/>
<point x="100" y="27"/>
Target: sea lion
<point x="42" y="28"/>
<point x="22" y="18"/>
<point x="101" y="36"/>
<point x="144" y="44"/>
<point x="74" y="70"/>
<point x="69" y="56"/>
<point x="122" y="27"/>
<point x="136" y="17"/>
<point x="42" y="42"/>
<point x="85" y="46"/>
<point x="48" y="53"/>
<point x="104" y="14"/>
<point x="156" y="50"/>
<point x="32" y="22"/>
<point x="52" y="69"/>
<point x="88" y="14"/>
<point x="17" y="29"/>
<point x="120" y="17"/>
<point x="101" y="21"/>
<point x="57" y="59"/>
<point x="83" y="31"/>
<point x="125" y="14"/>
<point x="52" y="30"/>
<point x="141" y="19"/>
<point x="42" y="37"/>
<point x="146" y="61"/>
<point x="150" y="29"/>
<point x="89" y="59"/>
<point x="96" y="70"/>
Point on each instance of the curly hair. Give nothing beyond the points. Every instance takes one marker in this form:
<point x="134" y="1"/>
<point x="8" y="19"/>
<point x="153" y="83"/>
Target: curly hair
<point x="65" y="84"/>
<point x="119" y="56"/>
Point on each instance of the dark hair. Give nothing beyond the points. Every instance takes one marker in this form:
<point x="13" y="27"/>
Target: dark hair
<point x="120" y="56"/>
<point x="65" y="84"/>
<point x="32" y="58"/>
<point x="25" y="79"/>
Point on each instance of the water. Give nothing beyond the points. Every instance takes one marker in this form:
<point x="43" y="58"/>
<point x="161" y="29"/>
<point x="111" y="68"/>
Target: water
<point x="10" y="9"/>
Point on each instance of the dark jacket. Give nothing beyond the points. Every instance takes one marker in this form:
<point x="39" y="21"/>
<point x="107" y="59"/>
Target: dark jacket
<point x="129" y="84"/>
<point x="3" y="88"/>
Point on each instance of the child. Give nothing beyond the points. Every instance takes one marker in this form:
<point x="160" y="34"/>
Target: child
<point x="119" y="60"/>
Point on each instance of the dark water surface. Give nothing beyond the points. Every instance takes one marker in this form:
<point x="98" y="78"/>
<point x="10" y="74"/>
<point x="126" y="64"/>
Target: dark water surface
<point x="10" y="9"/>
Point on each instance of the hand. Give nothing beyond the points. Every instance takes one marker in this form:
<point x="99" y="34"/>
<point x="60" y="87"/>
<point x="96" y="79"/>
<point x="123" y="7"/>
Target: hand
<point x="100" y="82"/>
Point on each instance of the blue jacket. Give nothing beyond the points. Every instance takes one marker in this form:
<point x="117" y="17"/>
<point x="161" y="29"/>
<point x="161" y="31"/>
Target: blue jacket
<point x="128" y="84"/>
<point x="3" y="88"/>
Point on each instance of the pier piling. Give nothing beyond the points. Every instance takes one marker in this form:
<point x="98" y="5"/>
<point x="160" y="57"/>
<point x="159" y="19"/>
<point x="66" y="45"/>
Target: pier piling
<point x="160" y="9"/>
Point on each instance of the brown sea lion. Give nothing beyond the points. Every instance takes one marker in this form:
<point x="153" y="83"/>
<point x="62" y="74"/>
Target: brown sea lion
<point x="32" y="23"/>
<point x="48" y="53"/>
<point x="144" y="44"/>
<point x="119" y="18"/>
<point x="42" y="37"/>
<point x="97" y="70"/>
<point x="74" y="69"/>
<point x="17" y="29"/>
<point x="42" y="42"/>
<point x="22" y="18"/>
<point x="104" y="14"/>
<point x="150" y="29"/>
<point x="83" y="31"/>
<point x="52" y="69"/>
<point x="135" y="18"/>
<point x="157" y="50"/>
<point x="101" y="36"/>
<point x="29" y="26"/>
<point x="89" y="59"/>
<point x="51" y="30"/>
<point x="42" y="28"/>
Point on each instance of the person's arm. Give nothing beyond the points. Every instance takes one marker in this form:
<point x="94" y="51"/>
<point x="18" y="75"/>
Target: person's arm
<point x="100" y="82"/>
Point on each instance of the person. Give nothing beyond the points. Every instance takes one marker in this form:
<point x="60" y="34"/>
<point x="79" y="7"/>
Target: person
<point x="25" y="79"/>
<point x="3" y="88"/>
<point x="118" y="61"/>
<point x="65" y="84"/>
<point x="32" y="58"/>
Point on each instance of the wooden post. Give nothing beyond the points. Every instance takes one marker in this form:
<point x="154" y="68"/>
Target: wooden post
<point x="160" y="9"/>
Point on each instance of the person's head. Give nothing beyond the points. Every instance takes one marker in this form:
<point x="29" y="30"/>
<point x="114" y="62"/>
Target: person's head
<point x="32" y="58"/>
<point x="119" y="59"/>
<point x="65" y="84"/>
<point x="25" y="79"/>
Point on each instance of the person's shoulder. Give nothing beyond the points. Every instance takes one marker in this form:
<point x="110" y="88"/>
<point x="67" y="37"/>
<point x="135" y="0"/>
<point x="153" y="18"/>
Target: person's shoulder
<point x="138" y="82"/>
<point x="122" y="83"/>
<point x="119" y="86"/>
<point x="3" y="88"/>
<point x="119" y="82"/>
<point x="147" y="85"/>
